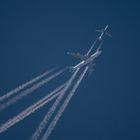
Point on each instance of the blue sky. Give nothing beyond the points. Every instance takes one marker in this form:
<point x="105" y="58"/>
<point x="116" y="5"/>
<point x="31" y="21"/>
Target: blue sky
<point x="35" y="36"/>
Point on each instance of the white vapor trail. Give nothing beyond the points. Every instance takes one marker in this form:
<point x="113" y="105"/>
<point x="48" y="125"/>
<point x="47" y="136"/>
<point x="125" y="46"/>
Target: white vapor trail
<point x="92" y="46"/>
<point x="31" y="109"/>
<point x="47" y="117"/>
<point x="63" y="107"/>
<point x="30" y="90"/>
<point x="23" y="86"/>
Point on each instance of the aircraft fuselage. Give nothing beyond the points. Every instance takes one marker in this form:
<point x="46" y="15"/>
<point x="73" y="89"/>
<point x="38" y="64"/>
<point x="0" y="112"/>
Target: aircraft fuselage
<point x="87" y="61"/>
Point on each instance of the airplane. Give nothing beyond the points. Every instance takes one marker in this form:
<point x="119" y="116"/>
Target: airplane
<point x="87" y="59"/>
<point x="103" y="31"/>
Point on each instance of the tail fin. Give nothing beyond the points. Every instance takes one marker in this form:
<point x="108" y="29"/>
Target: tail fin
<point x="104" y="31"/>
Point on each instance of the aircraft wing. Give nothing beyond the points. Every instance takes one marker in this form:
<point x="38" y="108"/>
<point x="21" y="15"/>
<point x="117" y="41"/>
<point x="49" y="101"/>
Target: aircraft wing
<point x="78" y="55"/>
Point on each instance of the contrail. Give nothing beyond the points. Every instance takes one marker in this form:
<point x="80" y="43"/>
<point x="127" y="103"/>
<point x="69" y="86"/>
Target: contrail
<point x="47" y="117"/>
<point x="92" y="46"/>
<point x="30" y="90"/>
<point x="31" y="109"/>
<point x="23" y="86"/>
<point x="63" y="107"/>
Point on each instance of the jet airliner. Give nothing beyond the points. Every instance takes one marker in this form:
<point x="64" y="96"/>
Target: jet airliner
<point x="87" y="59"/>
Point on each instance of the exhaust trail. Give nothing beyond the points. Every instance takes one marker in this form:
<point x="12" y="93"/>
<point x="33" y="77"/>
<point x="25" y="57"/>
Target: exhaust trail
<point x="92" y="46"/>
<point x="47" y="117"/>
<point x="31" y="109"/>
<point x="63" y="107"/>
<point x="30" y="90"/>
<point x="23" y="86"/>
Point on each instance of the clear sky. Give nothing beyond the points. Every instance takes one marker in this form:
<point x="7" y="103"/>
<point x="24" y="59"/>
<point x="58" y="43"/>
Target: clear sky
<point x="35" y="36"/>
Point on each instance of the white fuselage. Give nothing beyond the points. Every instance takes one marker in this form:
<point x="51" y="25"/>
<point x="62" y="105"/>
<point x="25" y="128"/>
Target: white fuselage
<point x="88" y="60"/>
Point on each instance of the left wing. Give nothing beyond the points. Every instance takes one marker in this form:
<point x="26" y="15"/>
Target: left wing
<point x="78" y="55"/>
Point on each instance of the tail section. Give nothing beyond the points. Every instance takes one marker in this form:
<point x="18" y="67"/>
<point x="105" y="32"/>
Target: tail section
<point x="103" y="32"/>
<point x="108" y="34"/>
<point x="99" y="31"/>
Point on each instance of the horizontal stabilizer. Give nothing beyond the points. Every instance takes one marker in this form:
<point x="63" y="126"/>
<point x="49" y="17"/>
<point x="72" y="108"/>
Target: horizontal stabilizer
<point x="108" y="34"/>
<point x="99" y="31"/>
